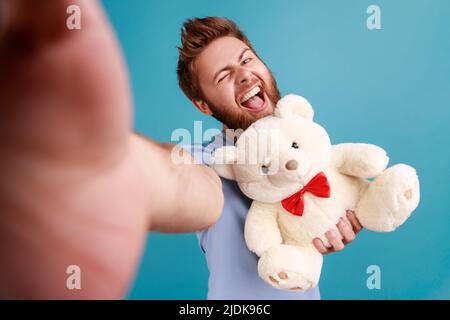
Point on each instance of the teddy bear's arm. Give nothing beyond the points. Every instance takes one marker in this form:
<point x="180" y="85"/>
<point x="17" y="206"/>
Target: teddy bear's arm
<point x="261" y="228"/>
<point x="359" y="159"/>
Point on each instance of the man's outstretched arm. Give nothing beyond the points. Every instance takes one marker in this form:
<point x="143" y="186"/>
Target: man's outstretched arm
<point x="66" y="93"/>
<point x="189" y="195"/>
<point x="77" y="187"/>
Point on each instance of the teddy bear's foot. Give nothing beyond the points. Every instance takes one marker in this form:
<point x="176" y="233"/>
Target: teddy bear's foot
<point x="390" y="199"/>
<point x="290" y="267"/>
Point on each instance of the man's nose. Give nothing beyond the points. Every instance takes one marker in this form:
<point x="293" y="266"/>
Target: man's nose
<point x="244" y="76"/>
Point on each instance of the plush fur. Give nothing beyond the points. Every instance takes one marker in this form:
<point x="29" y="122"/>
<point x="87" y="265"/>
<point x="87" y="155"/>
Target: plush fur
<point x="259" y="163"/>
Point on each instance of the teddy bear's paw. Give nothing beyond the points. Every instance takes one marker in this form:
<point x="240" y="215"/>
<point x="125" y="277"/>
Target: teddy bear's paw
<point x="287" y="280"/>
<point x="390" y="199"/>
<point x="407" y="194"/>
<point x="289" y="267"/>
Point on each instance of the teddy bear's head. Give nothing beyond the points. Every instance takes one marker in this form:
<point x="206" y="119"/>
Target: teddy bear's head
<point x="277" y="155"/>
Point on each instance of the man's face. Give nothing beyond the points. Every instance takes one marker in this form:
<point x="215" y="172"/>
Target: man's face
<point x="237" y="86"/>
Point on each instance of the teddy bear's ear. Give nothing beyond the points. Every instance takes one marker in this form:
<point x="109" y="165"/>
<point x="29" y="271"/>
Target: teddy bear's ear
<point x="222" y="161"/>
<point x="294" y="105"/>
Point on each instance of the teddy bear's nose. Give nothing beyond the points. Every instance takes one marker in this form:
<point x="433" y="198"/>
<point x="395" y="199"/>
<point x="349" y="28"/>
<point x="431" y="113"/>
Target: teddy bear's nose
<point x="291" y="164"/>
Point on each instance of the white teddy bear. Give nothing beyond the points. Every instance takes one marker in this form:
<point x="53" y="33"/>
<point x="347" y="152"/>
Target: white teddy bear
<point x="301" y="185"/>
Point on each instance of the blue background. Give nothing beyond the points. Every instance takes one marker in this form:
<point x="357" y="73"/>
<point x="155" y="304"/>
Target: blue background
<point x="389" y="87"/>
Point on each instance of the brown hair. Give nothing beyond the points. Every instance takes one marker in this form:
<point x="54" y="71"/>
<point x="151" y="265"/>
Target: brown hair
<point x="196" y="34"/>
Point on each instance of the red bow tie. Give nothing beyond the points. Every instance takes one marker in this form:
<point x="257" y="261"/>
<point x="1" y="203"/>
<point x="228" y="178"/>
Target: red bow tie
<point x="318" y="186"/>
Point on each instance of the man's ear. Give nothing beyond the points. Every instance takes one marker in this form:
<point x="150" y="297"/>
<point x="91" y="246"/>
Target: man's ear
<point x="202" y="106"/>
<point x="291" y="105"/>
<point x="223" y="160"/>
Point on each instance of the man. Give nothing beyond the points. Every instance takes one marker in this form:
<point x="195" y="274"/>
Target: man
<point x="218" y="70"/>
<point x="77" y="187"/>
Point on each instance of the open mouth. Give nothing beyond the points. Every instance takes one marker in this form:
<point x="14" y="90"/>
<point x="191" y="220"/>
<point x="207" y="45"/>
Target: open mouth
<point x="254" y="100"/>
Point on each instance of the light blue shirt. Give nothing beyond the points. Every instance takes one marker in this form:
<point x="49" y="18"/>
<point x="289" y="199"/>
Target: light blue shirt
<point x="232" y="266"/>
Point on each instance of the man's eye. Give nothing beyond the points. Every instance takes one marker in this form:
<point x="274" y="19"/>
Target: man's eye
<point x="222" y="78"/>
<point x="294" y="145"/>
<point x="247" y="60"/>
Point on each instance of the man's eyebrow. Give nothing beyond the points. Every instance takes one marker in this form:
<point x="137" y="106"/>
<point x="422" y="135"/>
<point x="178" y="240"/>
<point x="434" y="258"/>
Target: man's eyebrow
<point x="226" y="67"/>
<point x="242" y="53"/>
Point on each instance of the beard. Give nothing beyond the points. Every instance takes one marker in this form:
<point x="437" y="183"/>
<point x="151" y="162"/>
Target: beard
<point x="240" y="119"/>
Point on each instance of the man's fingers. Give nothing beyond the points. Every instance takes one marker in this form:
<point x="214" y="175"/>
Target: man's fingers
<point x="320" y="246"/>
<point x="345" y="234"/>
<point x="335" y="240"/>
<point x="24" y="24"/>
<point x="42" y="19"/>
<point x="346" y="231"/>
<point x="63" y="92"/>
<point x="29" y="27"/>
<point x="357" y="227"/>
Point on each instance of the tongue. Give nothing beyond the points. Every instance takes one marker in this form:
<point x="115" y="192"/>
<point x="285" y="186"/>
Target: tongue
<point x="253" y="103"/>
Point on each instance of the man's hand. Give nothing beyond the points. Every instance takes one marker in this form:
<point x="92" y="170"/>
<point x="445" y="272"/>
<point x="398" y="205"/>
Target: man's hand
<point x="347" y="233"/>
<point x="77" y="187"/>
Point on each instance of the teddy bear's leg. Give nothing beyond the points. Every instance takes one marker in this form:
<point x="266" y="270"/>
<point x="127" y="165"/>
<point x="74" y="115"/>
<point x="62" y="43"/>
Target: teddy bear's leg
<point x="290" y="267"/>
<point x="390" y="199"/>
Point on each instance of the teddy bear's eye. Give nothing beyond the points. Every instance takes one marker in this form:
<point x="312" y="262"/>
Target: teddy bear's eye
<point x="294" y="145"/>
